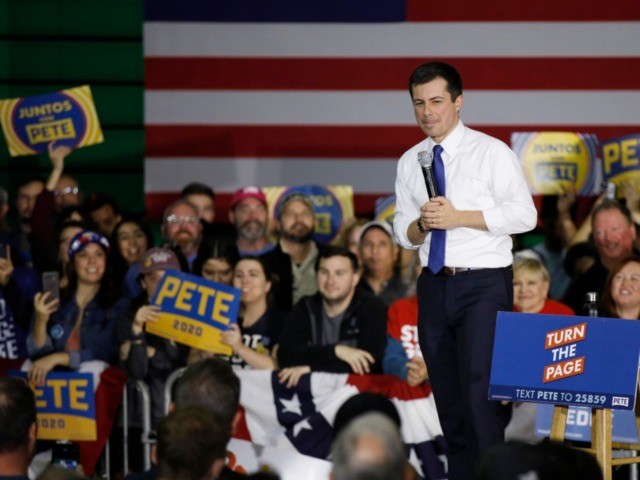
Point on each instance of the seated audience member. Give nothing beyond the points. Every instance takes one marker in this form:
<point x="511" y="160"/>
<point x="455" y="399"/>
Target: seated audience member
<point x="361" y="403"/>
<point x="614" y="234"/>
<point x="131" y="239"/>
<point x="402" y="355"/>
<point x="146" y="356"/>
<point x="182" y="232"/>
<point x="249" y="215"/>
<point x="530" y="289"/>
<point x="104" y="212"/>
<point x="369" y="447"/>
<point x="379" y="256"/>
<point x="202" y="197"/>
<point x="191" y="445"/>
<point x="621" y="297"/>
<point x="18" y="428"/>
<point x="339" y="329"/>
<point x="367" y="402"/>
<point x="219" y="262"/>
<point x="293" y="259"/>
<point x="27" y="190"/>
<point x="81" y="326"/>
<point x="258" y="329"/>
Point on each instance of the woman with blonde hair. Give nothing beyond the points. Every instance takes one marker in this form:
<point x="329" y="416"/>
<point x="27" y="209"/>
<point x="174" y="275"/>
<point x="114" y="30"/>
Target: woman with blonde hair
<point x="531" y="288"/>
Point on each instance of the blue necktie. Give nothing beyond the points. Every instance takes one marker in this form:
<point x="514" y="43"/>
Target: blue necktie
<point x="438" y="237"/>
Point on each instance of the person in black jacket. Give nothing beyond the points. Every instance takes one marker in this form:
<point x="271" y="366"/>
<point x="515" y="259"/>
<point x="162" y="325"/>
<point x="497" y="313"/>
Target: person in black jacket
<point x="145" y="356"/>
<point x="339" y="329"/>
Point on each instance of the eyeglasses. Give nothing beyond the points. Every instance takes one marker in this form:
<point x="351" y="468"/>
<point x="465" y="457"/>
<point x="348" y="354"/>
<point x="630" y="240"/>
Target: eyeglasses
<point x="66" y="191"/>
<point x="182" y="219"/>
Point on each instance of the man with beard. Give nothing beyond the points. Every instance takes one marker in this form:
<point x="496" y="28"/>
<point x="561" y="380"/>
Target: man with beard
<point x="294" y="257"/>
<point x="249" y="215"/>
<point x="182" y="232"/>
<point x="339" y="329"/>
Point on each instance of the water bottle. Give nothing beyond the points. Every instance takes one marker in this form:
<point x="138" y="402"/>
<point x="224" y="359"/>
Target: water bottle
<point x="591" y="304"/>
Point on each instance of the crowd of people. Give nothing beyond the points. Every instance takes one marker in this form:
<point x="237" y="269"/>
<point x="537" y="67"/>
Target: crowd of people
<point x="304" y="307"/>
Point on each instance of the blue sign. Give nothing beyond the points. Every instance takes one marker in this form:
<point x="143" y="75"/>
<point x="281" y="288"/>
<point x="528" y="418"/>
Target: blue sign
<point x="624" y="428"/>
<point x="564" y="360"/>
<point x="67" y="117"/>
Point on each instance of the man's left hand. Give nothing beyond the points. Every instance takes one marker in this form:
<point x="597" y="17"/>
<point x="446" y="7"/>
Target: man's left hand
<point x="440" y="214"/>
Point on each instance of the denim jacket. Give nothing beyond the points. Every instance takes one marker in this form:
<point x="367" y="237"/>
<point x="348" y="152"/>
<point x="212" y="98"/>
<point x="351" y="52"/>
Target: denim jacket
<point x="97" y="339"/>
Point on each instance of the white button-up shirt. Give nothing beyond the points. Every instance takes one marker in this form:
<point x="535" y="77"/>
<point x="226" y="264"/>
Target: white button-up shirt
<point x="481" y="173"/>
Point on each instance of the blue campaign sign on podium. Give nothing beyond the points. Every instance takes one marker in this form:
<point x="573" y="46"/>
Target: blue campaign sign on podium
<point x="623" y="426"/>
<point x="564" y="360"/>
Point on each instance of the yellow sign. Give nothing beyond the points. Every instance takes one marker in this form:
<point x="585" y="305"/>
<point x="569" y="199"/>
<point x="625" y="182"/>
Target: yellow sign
<point x="554" y="162"/>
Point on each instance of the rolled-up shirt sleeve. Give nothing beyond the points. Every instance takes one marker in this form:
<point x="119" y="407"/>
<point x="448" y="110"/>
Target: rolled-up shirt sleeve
<point x="514" y="211"/>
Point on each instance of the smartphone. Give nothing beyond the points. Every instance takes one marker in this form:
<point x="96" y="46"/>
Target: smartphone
<point x="51" y="284"/>
<point x="3" y="250"/>
<point x="611" y="191"/>
<point x="65" y="454"/>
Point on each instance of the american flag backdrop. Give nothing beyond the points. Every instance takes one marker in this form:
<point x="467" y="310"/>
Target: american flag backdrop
<point x="290" y="92"/>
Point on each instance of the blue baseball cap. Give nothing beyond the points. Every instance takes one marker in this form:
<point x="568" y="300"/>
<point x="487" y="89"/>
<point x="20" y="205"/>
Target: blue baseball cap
<point x="82" y="239"/>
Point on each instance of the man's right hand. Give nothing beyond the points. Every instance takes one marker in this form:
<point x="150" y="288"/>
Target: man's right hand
<point x="359" y="360"/>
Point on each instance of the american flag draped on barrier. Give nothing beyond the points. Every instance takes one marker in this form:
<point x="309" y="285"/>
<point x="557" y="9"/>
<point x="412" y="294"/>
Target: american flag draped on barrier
<point x="283" y="92"/>
<point x="300" y="419"/>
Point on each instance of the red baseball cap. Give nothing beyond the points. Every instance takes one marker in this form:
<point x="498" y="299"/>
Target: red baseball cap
<point x="248" y="192"/>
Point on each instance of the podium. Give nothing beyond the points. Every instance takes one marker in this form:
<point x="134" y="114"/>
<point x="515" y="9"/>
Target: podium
<point x="570" y="361"/>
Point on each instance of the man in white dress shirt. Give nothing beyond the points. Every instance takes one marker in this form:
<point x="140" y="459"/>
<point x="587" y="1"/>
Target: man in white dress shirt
<point x="465" y="250"/>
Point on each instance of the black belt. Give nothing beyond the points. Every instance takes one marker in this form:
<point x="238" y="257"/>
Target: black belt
<point x="451" y="271"/>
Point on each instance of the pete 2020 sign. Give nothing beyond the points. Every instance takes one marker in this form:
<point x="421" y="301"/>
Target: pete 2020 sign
<point x="194" y="311"/>
<point x="65" y="405"/>
<point x="67" y="117"/>
<point x="565" y="360"/>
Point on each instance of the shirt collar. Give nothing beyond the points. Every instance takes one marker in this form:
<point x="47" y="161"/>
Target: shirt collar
<point x="451" y="142"/>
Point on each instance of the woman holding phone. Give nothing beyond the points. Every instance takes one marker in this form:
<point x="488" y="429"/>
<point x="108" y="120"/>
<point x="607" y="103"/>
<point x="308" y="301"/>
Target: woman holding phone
<point x="79" y="327"/>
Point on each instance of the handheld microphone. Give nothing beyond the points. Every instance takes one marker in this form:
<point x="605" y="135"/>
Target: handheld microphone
<point x="425" y="160"/>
